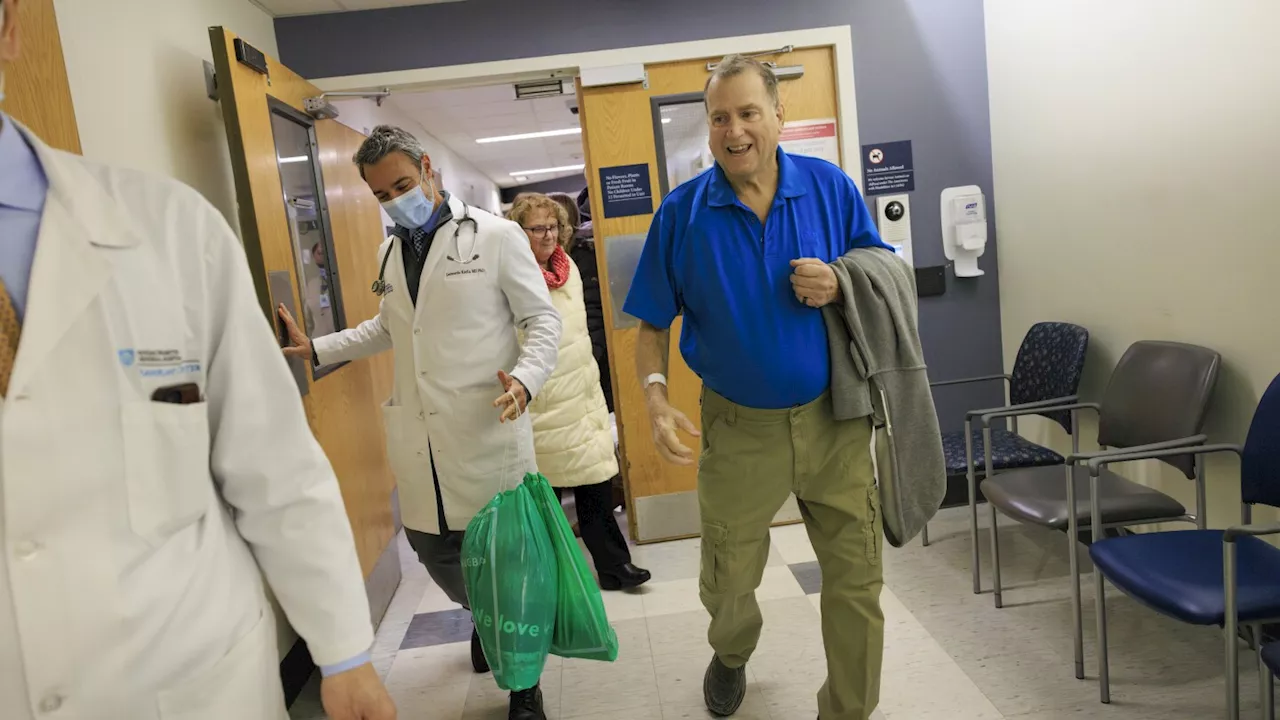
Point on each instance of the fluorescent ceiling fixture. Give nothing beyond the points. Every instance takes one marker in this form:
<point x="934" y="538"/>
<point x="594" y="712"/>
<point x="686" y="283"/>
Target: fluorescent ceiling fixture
<point x="531" y="136"/>
<point x="294" y="159"/>
<point x="544" y="171"/>
<point x="666" y="120"/>
<point x="521" y="178"/>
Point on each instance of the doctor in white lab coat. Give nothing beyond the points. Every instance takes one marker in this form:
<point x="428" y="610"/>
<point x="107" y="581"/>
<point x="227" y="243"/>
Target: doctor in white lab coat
<point x="155" y="462"/>
<point x="456" y="283"/>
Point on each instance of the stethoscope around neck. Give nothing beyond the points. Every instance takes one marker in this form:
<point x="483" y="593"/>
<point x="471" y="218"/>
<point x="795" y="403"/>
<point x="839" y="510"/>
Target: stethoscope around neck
<point x="382" y="288"/>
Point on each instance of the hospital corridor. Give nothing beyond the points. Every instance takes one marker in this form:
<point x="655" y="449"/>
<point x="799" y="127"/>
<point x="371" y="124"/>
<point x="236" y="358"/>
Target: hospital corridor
<point x="946" y="655"/>
<point x="639" y="359"/>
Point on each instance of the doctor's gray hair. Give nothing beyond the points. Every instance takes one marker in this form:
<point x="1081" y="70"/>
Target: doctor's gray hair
<point x="735" y="65"/>
<point x="384" y="140"/>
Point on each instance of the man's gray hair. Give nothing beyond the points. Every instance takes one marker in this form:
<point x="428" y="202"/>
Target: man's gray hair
<point x="384" y="140"/>
<point x="735" y="65"/>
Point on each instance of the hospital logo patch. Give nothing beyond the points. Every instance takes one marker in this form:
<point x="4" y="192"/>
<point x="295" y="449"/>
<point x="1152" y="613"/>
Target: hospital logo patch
<point x="127" y="357"/>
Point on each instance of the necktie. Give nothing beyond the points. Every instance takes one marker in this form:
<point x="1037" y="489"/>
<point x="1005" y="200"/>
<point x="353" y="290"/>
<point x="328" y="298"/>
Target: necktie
<point x="419" y="238"/>
<point x="10" y="330"/>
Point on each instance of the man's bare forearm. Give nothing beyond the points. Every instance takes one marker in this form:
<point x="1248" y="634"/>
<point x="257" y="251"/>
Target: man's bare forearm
<point x="652" y="349"/>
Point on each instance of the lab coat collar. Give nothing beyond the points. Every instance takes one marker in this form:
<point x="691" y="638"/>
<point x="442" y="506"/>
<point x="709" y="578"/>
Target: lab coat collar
<point x="23" y="184"/>
<point x="79" y="227"/>
<point x="721" y="193"/>
<point x="96" y="214"/>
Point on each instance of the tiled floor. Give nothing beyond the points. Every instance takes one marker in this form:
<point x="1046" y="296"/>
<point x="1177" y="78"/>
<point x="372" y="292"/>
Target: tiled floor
<point x="949" y="654"/>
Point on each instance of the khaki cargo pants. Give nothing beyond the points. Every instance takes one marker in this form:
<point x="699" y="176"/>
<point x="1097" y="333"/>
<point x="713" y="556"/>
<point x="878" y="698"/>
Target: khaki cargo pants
<point x="751" y="461"/>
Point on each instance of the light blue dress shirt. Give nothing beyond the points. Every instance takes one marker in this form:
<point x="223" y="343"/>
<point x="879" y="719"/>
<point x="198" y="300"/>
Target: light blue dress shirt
<point x="23" y="186"/>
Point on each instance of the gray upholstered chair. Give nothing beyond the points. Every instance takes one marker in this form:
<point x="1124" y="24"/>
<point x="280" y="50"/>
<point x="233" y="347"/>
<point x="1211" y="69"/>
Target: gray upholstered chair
<point x="1156" y="399"/>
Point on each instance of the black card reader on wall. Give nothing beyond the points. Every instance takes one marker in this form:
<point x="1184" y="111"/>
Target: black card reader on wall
<point x="250" y="56"/>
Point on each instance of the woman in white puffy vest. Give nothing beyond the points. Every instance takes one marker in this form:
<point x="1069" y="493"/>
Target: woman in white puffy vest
<point x="571" y="432"/>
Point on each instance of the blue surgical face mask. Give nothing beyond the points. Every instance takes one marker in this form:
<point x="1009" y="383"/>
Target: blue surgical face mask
<point x="412" y="210"/>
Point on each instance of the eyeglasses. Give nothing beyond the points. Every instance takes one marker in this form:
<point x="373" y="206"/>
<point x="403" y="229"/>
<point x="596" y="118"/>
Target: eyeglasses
<point x="540" y="231"/>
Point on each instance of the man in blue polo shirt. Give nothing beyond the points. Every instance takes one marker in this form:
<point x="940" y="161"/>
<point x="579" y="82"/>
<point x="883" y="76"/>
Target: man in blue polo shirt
<point x="742" y="252"/>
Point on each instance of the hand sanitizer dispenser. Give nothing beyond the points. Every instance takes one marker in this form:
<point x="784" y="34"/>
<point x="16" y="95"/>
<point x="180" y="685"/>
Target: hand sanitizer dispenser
<point x="964" y="228"/>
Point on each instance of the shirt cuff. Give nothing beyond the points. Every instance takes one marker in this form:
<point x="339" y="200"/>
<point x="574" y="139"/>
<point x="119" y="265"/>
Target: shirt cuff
<point x="363" y="658"/>
<point x="527" y="393"/>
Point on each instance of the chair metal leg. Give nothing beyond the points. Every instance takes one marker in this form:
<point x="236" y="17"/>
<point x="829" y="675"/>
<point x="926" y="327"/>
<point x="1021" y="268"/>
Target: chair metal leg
<point x="975" y="561"/>
<point x="924" y="535"/>
<point x="1231" y="632"/>
<point x="995" y="559"/>
<point x="1077" y="615"/>
<point x="1099" y="594"/>
<point x="1266" y="681"/>
<point x="995" y="525"/>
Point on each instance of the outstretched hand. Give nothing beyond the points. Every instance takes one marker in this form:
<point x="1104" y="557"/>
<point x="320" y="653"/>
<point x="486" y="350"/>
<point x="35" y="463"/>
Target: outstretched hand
<point x="514" y="400"/>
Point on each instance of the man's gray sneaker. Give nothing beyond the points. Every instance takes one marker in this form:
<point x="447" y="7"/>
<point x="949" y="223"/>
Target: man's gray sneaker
<point x="724" y="688"/>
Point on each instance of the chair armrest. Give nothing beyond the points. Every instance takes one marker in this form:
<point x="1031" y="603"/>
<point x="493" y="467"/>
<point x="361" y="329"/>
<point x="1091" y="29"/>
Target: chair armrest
<point x="1165" y="448"/>
<point x="1127" y="454"/>
<point x="1032" y="408"/>
<point x="1231" y="533"/>
<point x="966" y="381"/>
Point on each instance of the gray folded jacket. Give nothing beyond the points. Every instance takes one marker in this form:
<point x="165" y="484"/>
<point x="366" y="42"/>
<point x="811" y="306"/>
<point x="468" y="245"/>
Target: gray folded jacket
<point x="878" y="369"/>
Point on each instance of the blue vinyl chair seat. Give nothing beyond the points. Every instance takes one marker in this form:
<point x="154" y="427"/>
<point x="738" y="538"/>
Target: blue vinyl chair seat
<point x="1009" y="451"/>
<point x="1179" y="574"/>
<point x="1271" y="656"/>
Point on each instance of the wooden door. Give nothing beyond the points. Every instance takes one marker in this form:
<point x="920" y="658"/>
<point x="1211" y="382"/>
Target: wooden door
<point x="619" y="126"/>
<point x="37" y="93"/>
<point x="343" y="405"/>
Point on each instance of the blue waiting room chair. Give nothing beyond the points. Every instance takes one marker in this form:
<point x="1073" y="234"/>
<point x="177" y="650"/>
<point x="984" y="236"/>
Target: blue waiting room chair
<point x="1226" y="577"/>
<point x="1046" y="372"/>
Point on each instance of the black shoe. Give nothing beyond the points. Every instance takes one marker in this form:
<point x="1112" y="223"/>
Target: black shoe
<point x="724" y="688"/>
<point x="478" y="661"/>
<point x="526" y="705"/>
<point x="623" y="577"/>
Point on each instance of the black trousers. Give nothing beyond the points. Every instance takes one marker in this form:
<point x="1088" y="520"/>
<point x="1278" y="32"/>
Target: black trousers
<point x="598" y="525"/>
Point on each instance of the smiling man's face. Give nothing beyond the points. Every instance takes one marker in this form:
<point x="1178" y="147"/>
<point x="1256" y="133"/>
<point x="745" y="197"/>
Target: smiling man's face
<point x="745" y="125"/>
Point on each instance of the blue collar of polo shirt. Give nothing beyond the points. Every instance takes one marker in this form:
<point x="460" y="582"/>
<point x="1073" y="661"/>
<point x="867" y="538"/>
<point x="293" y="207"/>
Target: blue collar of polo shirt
<point x="721" y="193"/>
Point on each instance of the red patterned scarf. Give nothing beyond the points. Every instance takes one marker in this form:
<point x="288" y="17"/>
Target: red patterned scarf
<point x="558" y="275"/>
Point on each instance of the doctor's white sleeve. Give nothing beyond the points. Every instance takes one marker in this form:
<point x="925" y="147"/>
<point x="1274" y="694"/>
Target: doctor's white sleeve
<point x="368" y="338"/>
<point x="268" y="466"/>
<point x="526" y="289"/>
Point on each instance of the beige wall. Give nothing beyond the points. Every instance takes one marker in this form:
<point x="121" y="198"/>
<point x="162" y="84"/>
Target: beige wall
<point x="137" y="81"/>
<point x="1137" y="179"/>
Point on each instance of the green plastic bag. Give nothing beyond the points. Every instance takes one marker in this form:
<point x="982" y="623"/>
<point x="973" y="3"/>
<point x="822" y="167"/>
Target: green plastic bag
<point x="582" y="629"/>
<point x="510" y="573"/>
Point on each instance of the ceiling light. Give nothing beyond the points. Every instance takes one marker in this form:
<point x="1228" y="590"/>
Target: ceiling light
<point x="521" y="178"/>
<point x="531" y="136"/>
<point x="544" y="171"/>
<point x="294" y="159"/>
<point x="666" y="121"/>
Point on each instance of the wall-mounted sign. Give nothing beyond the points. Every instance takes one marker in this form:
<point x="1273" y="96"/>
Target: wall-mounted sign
<point x="888" y="168"/>
<point x="626" y="190"/>
<point x="816" y="138"/>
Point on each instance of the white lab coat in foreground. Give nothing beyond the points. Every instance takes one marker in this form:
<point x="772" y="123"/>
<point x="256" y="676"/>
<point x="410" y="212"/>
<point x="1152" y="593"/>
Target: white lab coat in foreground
<point x="448" y="351"/>
<point x="133" y="531"/>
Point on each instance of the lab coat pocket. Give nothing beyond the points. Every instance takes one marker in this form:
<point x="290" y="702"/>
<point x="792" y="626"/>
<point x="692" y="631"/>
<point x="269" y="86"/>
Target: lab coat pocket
<point x="166" y="457"/>
<point x="244" y="683"/>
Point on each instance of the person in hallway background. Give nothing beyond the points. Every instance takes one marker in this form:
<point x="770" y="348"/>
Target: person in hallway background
<point x="156" y="461"/>
<point x="581" y="247"/>
<point x="456" y="284"/>
<point x="570" y="421"/>
<point x="743" y="251"/>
